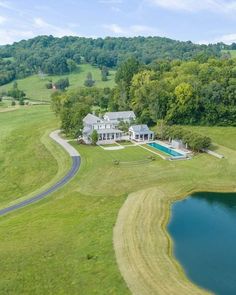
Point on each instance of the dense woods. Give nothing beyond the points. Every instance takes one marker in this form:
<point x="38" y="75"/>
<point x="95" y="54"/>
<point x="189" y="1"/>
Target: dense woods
<point x="177" y="92"/>
<point x="51" y="55"/>
<point x="180" y="92"/>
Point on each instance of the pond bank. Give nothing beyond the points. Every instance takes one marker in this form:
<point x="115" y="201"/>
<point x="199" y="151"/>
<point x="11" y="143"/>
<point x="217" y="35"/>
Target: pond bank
<point x="144" y="249"/>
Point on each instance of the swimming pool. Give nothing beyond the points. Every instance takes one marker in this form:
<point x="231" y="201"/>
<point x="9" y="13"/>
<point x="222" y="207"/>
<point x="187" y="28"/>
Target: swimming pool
<point x="165" y="150"/>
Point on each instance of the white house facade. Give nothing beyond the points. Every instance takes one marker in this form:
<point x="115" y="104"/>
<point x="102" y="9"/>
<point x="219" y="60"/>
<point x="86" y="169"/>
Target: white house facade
<point x="106" y="130"/>
<point x="117" y="117"/>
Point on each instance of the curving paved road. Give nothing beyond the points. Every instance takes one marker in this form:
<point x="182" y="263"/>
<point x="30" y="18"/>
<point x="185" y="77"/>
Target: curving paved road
<point x="76" y="160"/>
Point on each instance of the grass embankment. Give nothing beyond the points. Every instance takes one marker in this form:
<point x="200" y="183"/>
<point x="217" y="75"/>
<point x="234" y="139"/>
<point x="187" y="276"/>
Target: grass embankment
<point x="143" y="248"/>
<point x="34" y="86"/>
<point x="26" y="159"/>
<point x="63" y="244"/>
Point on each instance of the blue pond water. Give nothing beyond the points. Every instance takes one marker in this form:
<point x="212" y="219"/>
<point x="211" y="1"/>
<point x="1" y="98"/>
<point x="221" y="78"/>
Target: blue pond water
<point x="203" y="228"/>
<point x="165" y="149"/>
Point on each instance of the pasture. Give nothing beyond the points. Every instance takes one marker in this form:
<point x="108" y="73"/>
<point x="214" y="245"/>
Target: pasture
<point x="231" y="52"/>
<point x="26" y="150"/>
<point x="35" y="89"/>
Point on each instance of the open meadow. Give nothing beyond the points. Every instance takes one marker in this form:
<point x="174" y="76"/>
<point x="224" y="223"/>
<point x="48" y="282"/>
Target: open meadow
<point x="232" y="52"/>
<point x="34" y="86"/>
<point x="64" y="244"/>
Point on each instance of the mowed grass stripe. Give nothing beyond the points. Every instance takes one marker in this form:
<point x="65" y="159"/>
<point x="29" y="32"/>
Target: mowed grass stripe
<point x="142" y="247"/>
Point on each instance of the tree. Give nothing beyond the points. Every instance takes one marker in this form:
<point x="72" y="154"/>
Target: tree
<point x="48" y="85"/>
<point x="21" y="101"/>
<point x="124" y="126"/>
<point x="72" y="66"/>
<point x="89" y="82"/>
<point x="94" y="137"/>
<point x="104" y="73"/>
<point x="62" y="84"/>
<point x="126" y="72"/>
<point x="16" y="93"/>
<point x="77" y="58"/>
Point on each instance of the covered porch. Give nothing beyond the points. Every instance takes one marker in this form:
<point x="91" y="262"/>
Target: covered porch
<point x="141" y="133"/>
<point x="109" y="135"/>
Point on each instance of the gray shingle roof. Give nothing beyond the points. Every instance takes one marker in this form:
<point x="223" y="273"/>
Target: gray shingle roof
<point x="120" y="115"/>
<point x="92" y="119"/>
<point x="140" y="128"/>
<point x="87" y="130"/>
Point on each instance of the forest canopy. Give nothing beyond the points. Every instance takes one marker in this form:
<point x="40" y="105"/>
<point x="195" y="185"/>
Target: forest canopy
<point x="176" y="92"/>
<point x="54" y="56"/>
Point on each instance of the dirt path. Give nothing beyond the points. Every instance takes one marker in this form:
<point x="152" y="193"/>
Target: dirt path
<point x="143" y="249"/>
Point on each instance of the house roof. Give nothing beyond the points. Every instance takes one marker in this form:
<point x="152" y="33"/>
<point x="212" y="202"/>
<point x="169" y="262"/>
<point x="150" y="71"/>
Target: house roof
<point x="87" y="130"/>
<point x="92" y="119"/>
<point x="140" y="129"/>
<point x="105" y="131"/>
<point x="119" y="115"/>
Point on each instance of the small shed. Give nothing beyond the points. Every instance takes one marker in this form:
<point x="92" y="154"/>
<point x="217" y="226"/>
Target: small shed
<point x="177" y="144"/>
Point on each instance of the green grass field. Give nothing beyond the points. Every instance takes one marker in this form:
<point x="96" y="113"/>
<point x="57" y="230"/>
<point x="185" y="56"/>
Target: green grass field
<point x="4" y="104"/>
<point x="25" y="151"/>
<point x="63" y="244"/>
<point x="232" y="52"/>
<point x="34" y="86"/>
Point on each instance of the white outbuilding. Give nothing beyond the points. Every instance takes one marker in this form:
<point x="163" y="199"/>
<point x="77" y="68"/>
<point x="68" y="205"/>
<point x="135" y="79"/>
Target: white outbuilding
<point x="141" y="133"/>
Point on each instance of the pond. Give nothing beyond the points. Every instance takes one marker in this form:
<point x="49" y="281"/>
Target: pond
<point x="203" y="229"/>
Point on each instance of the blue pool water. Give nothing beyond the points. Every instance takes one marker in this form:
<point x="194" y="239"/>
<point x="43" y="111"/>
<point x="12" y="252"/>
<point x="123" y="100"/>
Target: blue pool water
<point x="165" y="149"/>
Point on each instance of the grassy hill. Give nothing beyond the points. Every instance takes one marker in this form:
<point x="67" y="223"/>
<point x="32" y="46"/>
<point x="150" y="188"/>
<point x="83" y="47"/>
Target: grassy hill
<point x="232" y="52"/>
<point x="34" y="86"/>
<point x="25" y="149"/>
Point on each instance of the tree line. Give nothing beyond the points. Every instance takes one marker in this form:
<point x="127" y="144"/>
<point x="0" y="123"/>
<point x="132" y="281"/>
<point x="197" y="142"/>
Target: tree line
<point x="191" y="139"/>
<point x="55" y="56"/>
<point x="179" y="92"/>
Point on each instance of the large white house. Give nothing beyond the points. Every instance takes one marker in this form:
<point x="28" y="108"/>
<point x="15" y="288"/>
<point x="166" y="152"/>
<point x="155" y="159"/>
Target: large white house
<point x="107" y="131"/>
<point x="117" y="117"/>
<point x="107" y="128"/>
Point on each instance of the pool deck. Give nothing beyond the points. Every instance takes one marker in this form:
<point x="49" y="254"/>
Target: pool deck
<point x="184" y="153"/>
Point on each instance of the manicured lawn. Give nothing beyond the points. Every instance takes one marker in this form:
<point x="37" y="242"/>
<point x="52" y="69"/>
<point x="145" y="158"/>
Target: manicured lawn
<point x="63" y="244"/>
<point x="34" y="86"/>
<point x="98" y="175"/>
<point x="109" y="145"/>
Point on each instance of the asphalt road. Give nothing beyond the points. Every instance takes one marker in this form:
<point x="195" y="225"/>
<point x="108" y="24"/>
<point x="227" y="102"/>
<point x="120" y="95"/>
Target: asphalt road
<point x="76" y="160"/>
